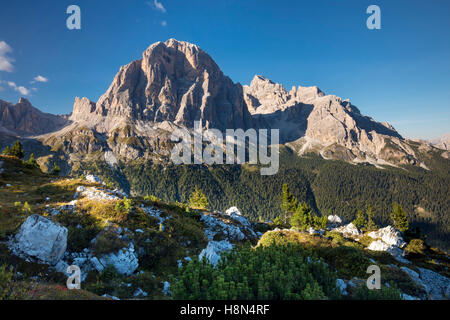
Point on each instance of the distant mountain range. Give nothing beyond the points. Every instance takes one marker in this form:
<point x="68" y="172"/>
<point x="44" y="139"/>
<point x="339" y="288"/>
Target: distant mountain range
<point x="442" y="142"/>
<point x="176" y="83"/>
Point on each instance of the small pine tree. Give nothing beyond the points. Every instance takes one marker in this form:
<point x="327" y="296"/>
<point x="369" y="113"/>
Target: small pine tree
<point x="302" y="217"/>
<point x="31" y="162"/>
<point x="198" y="200"/>
<point x="360" y="220"/>
<point x="398" y="218"/>
<point x="16" y="150"/>
<point x="288" y="202"/>
<point x="26" y="207"/>
<point x="370" y="223"/>
<point x="278" y="221"/>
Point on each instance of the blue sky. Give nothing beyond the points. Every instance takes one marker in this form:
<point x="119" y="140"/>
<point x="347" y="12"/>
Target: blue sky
<point x="399" y="74"/>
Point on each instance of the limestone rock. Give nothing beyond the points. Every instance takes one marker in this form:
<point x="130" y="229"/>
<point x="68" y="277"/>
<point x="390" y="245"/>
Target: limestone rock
<point x="349" y="230"/>
<point x="389" y="235"/>
<point x="41" y="238"/>
<point x="214" y="249"/>
<point x="125" y="260"/>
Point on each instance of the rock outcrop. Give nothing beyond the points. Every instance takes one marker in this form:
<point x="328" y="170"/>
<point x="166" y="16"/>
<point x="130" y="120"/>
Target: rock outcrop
<point x="40" y="238"/>
<point x="214" y="249"/>
<point x="389" y="235"/>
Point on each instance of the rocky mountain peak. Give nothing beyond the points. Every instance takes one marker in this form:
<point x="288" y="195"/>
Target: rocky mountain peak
<point x="174" y="81"/>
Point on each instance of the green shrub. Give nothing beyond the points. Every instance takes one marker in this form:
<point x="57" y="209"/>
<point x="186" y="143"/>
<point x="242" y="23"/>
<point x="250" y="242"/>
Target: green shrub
<point x="108" y="242"/>
<point x="416" y="246"/>
<point x="124" y="206"/>
<point x="266" y="272"/>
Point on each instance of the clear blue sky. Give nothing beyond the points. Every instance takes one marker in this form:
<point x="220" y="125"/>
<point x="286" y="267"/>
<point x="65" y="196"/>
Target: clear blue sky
<point x="399" y="74"/>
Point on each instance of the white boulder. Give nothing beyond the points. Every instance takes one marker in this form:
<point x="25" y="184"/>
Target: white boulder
<point x="349" y="230"/>
<point x="389" y="235"/>
<point x="334" y="220"/>
<point x="214" y="249"/>
<point x="378" y="245"/>
<point x="92" y="178"/>
<point x="235" y="214"/>
<point x="41" y="238"/>
<point x="125" y="260"/>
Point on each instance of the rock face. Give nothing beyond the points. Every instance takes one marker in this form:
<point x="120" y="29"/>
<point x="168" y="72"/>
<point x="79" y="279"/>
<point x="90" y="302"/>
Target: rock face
<point x="41" y="238"/>
<point x="25" y="120"/>
<point x="174" y="81"/>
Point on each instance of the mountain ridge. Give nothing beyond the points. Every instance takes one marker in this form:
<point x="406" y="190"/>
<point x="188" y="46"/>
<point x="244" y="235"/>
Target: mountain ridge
<point x="176" y="83"/>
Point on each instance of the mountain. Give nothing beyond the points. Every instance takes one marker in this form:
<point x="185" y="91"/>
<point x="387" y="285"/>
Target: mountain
<point x="125" y="137"/>
<point x="176" y="83"/>
<point x="442" y="142"/>
<point x="25" y="120"/>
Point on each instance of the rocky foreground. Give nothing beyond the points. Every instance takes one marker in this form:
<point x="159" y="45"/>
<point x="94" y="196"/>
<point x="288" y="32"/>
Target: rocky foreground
<point x="128" y="248"/>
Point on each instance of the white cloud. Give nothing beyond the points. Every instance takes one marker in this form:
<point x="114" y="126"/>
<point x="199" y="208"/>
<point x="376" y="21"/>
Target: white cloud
<point x="164" y="23"/>
<point x="158" y="5"/>
<point x="21" y="89"/>
<point x="5" y="61"/>
<point x="40" y="79"/>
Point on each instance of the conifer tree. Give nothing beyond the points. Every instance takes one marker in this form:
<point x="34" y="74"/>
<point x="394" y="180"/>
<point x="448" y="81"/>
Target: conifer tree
<point x="370" y="223"/>
<point x="398" y="218"/>
<point x="16" y="150"/>
<point x="360" y="220"/>
<point x="302" y="217"/>
<point x="288" y="202"/>
<point x="198" y="200"/>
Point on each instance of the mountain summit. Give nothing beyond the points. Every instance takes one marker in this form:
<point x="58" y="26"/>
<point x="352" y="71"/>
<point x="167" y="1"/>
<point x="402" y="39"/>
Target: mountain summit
<point x="174" y="81"/>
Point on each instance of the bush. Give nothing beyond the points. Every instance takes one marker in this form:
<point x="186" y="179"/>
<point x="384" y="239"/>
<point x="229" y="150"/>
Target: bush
<point x="108" y="242"/>
<point x="416" y="246"/>
<point x="124" y="206"/>
<point x="276" y="272"/>
<point x="302" y="217"/>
